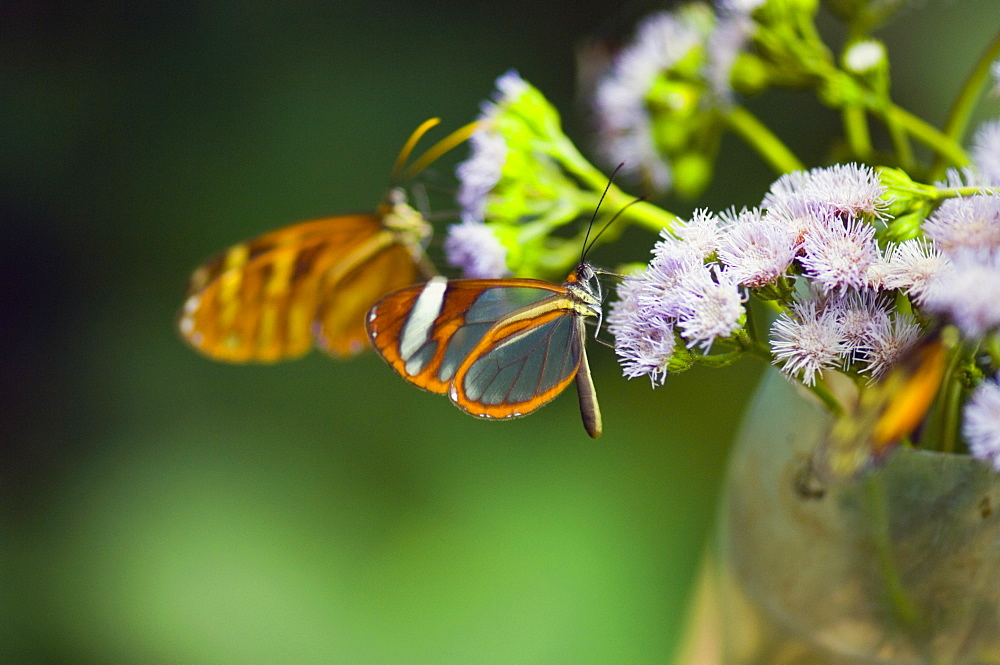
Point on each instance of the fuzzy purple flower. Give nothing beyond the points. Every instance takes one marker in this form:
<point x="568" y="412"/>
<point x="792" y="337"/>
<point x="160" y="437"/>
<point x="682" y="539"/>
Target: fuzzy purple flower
<point x="858" y="314"/>
<point x="700" y="234"/>
<point x="888" y="341"/>
<point x="650" y="305"/>
<point x="968" y="292"/>
<point x="986" y="152"/>
<point x="756" y="250"/>
<point x="844" y="190"/>
<point x="727" y="40"/>
<point x="474" y="248"/>
<point x="837" y="255"/>
<point x="981" y="423"/>
<point x="966" y="224"/>
<point x="912" y="266"/>
<point x="624" y="123"/>
<point x="480" y="173"/>
<point x="644" y="334"/>
<point x="807" y="340"/>
<point x="712" y="307"/>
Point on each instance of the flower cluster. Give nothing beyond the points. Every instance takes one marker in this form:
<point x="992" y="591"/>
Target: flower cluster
<point x="844" y="268"/>
<point x="523" y="180"/>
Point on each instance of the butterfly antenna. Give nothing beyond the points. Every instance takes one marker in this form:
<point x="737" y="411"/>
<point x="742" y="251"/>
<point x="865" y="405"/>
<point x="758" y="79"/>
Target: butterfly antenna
<point x="587" y="247"/>
<point x="593" y="218"/>
<point x="408" y="147"/>
<point x="456" y="138"/>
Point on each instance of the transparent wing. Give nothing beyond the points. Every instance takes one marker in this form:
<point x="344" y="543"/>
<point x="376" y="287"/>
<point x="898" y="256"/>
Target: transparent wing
<point x="425" y="332"/>
<point x="521" y="365"/>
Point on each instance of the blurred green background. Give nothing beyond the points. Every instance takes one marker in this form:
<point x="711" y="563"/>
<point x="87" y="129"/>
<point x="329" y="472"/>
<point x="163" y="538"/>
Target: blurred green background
<point x="161" y="508"/>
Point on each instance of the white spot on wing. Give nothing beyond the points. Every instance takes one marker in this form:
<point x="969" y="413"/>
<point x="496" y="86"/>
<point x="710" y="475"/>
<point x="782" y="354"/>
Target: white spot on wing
<point x="192" y="303"/>
<point x="417" y="330"/>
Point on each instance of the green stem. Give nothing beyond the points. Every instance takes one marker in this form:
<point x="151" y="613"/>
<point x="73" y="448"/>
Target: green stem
<point x="646" y="214"/>
<point x="831" y="403"/>
<point x="770" y="148"/>
<point x="900" y="140"/>
<point x="961" y="109"/>
<point x="951" y="402"/>
<point x="959" y="192"/>
<point x="856" y="131"/>
<point x="642" y="213"/>
<point x="993" y="348"/>
<point x="750" y="325"/>
<point x="927" y="134"/>
<point x="953" y="398"/>
<point x="720" y="359"/>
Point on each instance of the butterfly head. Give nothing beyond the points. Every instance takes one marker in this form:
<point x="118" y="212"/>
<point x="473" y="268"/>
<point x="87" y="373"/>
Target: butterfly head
<point x="585" y="290"/>
<point x="398" y="216"/>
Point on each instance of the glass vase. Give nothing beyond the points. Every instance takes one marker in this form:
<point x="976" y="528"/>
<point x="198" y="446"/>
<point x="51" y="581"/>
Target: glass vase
<point x="899" y="565"/>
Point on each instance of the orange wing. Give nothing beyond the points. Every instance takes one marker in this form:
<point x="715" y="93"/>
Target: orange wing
<point x="258" y="301"/>
<point x="345" y="300"/>
<point x="272" y="297"/>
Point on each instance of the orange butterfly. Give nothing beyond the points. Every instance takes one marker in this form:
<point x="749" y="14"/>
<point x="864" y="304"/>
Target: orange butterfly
<point x="499" y="348"/>
<point x="271" y="298"/>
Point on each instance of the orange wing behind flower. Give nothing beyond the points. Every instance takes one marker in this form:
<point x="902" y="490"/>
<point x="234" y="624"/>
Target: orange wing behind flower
<point x="270" y="298"/>
<point x="275" y="296"/>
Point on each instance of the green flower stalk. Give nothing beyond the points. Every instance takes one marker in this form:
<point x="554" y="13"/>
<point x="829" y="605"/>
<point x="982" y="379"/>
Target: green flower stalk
<point x="525" y="180"/>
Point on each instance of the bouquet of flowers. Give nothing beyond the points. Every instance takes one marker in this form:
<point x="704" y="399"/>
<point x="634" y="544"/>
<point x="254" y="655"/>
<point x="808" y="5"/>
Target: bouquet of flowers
<point x="872" y="282"/>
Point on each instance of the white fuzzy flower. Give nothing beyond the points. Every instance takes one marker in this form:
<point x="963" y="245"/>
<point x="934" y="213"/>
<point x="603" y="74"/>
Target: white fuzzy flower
<point x="756" y="250"/>
<point x="474" y="248"/>
<point x="981" y="423"/>
<point x="807" y="341"/>
<point x="712" y="307"/>
<point x="968" y="292"/>
<point x="837" y="256"/>
<point x="845" y="190"/>
<point x="859" y="313"/>
<point x="970" y="223"/>
<point x="986" y="152"/>
<point x="888" y="341"/>
<point x="912" y="266"/>
<point x="701" y="233"/>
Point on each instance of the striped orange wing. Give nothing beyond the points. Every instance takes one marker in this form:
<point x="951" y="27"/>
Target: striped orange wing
<point x="346" y="298"/>
<point x="258" y="301"/>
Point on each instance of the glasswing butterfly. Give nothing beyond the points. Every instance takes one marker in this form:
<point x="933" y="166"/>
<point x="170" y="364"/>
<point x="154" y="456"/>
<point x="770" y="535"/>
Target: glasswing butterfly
<point x="499" y="348"/>
<point x="273" y="297"/>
